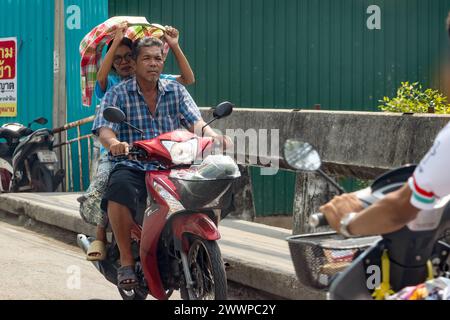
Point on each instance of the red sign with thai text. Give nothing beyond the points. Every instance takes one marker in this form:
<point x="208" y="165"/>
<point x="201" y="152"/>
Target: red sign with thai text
<point x="7" y="60"/>
<point x="8" y="77"/>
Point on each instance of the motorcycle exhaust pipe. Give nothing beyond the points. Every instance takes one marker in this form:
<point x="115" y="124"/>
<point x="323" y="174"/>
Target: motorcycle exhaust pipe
<point x="84" y="243"/>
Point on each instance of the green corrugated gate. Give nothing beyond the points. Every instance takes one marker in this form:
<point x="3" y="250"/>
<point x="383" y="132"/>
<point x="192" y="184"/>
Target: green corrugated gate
<point x="299" y="53"/>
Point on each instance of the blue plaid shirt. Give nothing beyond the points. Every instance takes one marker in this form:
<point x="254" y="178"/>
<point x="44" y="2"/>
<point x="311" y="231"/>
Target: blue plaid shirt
<point x="175" y="108"/>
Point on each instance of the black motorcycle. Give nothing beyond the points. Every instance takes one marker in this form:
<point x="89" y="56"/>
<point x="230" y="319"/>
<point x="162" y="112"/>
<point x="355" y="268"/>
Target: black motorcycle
<point x="10" y="135"/>
<point x="370" y="267"/>
<point x="27" y="159"/>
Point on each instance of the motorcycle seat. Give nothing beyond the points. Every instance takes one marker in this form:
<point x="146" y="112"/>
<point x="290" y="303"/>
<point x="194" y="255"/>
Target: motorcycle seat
<point x="11" y="134"/>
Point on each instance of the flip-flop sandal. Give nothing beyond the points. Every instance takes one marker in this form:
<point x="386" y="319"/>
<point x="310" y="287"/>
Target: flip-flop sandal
<point x="126" y="278"/>
<point x="97" y="251"/>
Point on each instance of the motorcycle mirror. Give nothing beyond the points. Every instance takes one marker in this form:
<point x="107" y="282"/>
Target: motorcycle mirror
<point x="113" y="114"/>
<point x="224" y="109"/>
<point x="301" y="155"/>
<point x="41" y="120"/>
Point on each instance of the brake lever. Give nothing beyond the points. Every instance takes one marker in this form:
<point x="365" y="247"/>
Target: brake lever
<point x="119" y="157"/>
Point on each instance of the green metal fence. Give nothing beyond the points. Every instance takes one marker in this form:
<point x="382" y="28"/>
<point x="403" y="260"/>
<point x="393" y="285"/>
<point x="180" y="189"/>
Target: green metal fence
<point x="344" y="54"/>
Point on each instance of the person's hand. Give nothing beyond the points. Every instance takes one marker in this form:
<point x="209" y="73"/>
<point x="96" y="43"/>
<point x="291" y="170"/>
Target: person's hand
<point x="171" y="36"/>
<point x="120" y="32"/>
<point x="339" y="207"/>
<point x="223" y="141"/>
<point x="120" y="148"/>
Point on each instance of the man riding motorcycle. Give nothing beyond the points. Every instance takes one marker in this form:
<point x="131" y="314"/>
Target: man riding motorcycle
<point x="429" y="183"/>
<point x="154" y="106"/>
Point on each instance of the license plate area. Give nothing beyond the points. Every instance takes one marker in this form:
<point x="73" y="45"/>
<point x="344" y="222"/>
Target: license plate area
<point x="47" y="156"/>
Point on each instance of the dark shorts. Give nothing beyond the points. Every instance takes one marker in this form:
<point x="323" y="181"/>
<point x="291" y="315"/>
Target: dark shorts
<point x="126" y="186"/>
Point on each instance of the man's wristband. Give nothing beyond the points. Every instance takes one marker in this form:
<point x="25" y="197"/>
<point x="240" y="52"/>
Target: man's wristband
<point x="343" y="227"/>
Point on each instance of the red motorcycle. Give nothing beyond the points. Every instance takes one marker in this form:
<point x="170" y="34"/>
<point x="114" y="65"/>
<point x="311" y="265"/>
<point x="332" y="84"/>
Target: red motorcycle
<point x="175" y="232"/>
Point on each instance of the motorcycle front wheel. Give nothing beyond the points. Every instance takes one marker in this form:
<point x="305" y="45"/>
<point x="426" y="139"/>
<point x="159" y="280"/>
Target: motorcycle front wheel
<point x="207" y="271"/>
<point x="135" y="294"/>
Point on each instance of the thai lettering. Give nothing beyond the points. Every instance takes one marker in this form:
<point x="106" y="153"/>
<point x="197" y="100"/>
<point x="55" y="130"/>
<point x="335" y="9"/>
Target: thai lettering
<point x="8" y="86"/>
<point x="6" y="53"/>
<point x="7" y="109"/>
<point x="3" y="69"/>
<point x="9" y="53"/>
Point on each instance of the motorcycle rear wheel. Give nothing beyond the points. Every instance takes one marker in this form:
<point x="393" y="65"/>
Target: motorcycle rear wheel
<point x="207" y="271"/>
<point x="42" y="179"/>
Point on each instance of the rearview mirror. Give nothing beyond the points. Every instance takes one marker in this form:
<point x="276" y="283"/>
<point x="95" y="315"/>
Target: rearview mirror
<point x="41" y="120"/>
<point x="301" y="155"/>
<point x="224" y="109"/>
<point x="113" y="114"/>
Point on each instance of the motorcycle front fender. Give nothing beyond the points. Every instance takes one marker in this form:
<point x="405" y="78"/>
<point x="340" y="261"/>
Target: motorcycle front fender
<point x="4" y="164"/>
<point x="198" y="224"/>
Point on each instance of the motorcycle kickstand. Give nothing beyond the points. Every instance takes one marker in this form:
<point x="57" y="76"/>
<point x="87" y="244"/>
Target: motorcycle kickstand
<point x="187" y="275"/>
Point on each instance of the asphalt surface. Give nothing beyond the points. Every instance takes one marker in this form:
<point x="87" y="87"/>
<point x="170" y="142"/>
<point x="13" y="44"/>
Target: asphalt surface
<point x="37" y="266"/>
<point x="41" y="262"/>
<point x="257" y="256"/>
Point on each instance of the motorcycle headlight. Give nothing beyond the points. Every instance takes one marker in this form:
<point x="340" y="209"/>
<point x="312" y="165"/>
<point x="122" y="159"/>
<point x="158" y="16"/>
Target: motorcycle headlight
<point x="182" y="152"/>
<point x="174" y="204"/>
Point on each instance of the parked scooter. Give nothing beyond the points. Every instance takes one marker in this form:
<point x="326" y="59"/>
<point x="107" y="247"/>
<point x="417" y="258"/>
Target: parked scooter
<point x="175" y="232"/>
<point x="34" y="163"/>
<point x="20" y="152"/>
<point x="370" y="267"/>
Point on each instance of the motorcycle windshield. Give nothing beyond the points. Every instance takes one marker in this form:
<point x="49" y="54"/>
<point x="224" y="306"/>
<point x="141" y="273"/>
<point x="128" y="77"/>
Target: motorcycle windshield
<point x="213" y="167"/>
<point x="207" y="194"/>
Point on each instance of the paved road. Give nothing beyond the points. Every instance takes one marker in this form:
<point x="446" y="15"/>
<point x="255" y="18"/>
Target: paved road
<point x="257" y="255"/>
<point x="36" y="266"/>
<point x="43" y="263"/>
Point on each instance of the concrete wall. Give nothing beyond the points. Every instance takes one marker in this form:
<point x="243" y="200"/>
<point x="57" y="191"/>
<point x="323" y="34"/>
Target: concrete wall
<point x="358" y="144"/>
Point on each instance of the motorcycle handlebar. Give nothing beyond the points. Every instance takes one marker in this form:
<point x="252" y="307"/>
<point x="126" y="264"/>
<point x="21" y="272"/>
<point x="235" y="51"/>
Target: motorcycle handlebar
<point x="317" y="220"/>
<point x="137" y="153"/>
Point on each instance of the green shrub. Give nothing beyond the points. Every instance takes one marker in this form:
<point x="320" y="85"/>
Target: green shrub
<point x="411" y="98"/>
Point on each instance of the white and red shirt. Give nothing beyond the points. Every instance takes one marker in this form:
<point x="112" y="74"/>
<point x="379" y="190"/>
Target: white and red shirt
<point x="431" y="179"/>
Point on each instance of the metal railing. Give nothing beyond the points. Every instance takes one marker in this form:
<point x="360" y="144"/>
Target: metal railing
<point x="65" y="152"/>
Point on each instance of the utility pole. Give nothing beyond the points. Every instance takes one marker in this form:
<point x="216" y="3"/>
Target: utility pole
<point x="59" y="82"/>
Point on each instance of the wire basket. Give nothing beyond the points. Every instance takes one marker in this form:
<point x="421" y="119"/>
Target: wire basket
<point x="318" y="257"/>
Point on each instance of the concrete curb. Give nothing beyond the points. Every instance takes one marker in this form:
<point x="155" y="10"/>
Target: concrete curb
<point x="43" y="212"/>
<point x="265" y="272"/>
<point x="271" y="280"/>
